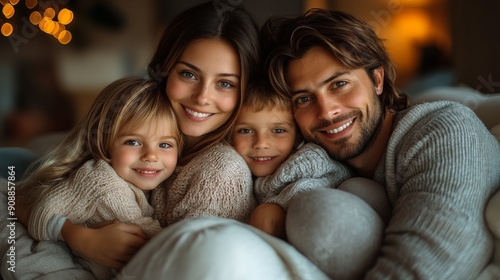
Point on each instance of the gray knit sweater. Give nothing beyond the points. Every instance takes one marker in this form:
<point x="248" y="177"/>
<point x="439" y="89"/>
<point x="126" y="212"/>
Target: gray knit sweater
<point x="308" y="168"/>
<point x="440" y="167"/>
<point x="216" y="182"/>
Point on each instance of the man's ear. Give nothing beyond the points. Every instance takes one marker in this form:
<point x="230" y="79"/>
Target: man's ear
<point x="378" y="79"/>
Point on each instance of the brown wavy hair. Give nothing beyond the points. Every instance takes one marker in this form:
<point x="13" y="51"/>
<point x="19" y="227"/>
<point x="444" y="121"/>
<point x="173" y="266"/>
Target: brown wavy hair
<point x="351" y="41"/>
<point x="219" y="19"/>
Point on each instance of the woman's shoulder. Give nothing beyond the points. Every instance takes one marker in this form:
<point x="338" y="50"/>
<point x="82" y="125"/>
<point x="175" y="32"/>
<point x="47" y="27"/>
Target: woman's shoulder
<point x="221" y="157"/>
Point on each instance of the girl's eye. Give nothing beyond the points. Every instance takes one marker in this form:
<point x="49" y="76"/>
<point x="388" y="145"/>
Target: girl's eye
<point x="278" y="130"/>
<point x="132" y="143"/>
<point x="165" y="145"/>
<point x="226" y="85"/>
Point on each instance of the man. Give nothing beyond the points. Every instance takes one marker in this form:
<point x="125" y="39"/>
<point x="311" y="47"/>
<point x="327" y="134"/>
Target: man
<point x="438" y="162"/>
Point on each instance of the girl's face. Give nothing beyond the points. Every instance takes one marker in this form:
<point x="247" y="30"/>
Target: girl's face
<point x="204" y="86"/>
<point x="145" y="156"/>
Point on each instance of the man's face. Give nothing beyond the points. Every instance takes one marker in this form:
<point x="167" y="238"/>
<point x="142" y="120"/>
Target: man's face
<point x="335" y="107"/>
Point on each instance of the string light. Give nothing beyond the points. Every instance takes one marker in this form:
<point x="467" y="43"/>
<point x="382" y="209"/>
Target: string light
<point x="45" y="18"/>
<point x="7" y="29"/>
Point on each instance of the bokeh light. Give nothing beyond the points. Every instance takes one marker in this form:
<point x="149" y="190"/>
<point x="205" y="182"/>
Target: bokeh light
<point x="31" y="3"/>
<point x="65" y="16"/>
<point x="7" y="29"/>
<point x="64" y="37"/>
<point x="35" y="17"/>
<point x="8" y="10"/>
<point x="50" y="13"/>
<point x="50" y="18"/>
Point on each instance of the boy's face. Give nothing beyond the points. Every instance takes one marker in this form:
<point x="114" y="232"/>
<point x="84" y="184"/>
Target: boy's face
<point x="145" y="156"/>
<point x="264" y="139"/>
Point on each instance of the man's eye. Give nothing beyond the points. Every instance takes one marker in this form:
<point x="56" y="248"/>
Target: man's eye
<point x="302" y="99"/>
<point x="339" y="84"/>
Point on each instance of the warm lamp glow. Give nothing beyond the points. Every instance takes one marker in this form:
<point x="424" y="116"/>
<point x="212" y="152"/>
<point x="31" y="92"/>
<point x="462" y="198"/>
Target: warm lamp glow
<point x="7" y="29"/>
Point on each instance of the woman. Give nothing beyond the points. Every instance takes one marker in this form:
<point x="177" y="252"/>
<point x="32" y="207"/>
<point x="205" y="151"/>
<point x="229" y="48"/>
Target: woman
<point x="203" y="62"/>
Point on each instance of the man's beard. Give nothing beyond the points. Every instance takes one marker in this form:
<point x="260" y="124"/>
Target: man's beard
<point x="340" y="149"/>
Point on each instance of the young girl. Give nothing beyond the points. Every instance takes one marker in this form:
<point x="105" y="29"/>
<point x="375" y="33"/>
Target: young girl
<point x="104" y="169"/>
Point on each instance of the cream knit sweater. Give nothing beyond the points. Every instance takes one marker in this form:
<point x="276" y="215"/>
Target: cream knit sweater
<point x="93" y="194"/>
<point x="217" y="183"/>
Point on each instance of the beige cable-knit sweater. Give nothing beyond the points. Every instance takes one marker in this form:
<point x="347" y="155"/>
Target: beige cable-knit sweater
<point x="216" y="182"/>
<point x="94" y="194"/>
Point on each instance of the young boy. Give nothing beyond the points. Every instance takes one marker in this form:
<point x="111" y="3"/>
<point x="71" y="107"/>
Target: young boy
<point x="267" y="137"/>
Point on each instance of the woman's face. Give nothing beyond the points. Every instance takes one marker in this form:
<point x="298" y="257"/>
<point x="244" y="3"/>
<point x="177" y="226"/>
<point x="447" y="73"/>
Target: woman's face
<point x="204" y="86"/>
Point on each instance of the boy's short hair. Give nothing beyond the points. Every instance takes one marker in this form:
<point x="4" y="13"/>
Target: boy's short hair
<point x="260" y="96"/>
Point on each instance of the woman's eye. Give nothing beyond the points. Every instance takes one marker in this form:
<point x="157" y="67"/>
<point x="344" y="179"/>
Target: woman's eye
<point x="132" y="142"/>
<point x="188" y="75"/>
<point x="226" y="85"/>
<point x="165" y="145"/>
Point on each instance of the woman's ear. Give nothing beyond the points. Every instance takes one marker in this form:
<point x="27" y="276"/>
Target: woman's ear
<point x="378" y="80"/>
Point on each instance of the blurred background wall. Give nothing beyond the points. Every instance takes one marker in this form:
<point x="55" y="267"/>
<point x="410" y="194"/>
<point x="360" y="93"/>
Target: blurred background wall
<point x="46" y="85"/>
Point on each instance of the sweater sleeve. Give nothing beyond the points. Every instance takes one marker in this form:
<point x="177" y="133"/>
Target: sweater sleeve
<point x="128" y="205"/>
<point x="442" y="165"/>
<point x="217" y="183"/>
<point x="73" y="198"/>
<point x="308" y="168"/>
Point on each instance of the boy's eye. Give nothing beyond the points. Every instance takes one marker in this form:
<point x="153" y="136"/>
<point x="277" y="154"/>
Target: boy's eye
<point x="278" y="130"/>
<point x="132" y="143"/>
<point x="245" y="130"/>
<point x="165" y="145"/>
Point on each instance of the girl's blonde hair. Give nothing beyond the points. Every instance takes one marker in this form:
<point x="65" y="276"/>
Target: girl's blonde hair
<point x="128" y="101"/>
